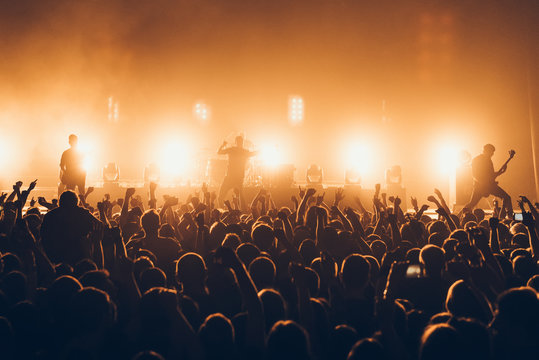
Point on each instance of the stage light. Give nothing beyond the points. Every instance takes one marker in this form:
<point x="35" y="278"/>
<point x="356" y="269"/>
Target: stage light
<point x="352" y="177"/>
<point x="448" y="159"/>
<point x="296" y="109"/>
<point x="174" y="160"/>
<point x="270" y="155"/>
<point x="201" y="112"/>
<point x="358" y="158"/>
<point x="111" y="173"/>
<point x="88" y="151"/>
<point x="315" y="175"/>
<point x="394" y="175"/>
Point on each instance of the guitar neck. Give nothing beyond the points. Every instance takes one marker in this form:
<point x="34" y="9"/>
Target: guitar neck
<point x="505" y="163"/>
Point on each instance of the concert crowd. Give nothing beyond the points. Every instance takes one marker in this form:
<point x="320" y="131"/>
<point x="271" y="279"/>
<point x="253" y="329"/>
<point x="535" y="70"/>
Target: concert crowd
<point x="192" y="278"/>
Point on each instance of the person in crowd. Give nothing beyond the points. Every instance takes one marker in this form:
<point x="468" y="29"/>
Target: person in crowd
<point x="311" y="281"/>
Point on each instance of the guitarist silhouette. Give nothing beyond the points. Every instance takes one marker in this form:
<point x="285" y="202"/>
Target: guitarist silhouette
<point x="485" y="183"/>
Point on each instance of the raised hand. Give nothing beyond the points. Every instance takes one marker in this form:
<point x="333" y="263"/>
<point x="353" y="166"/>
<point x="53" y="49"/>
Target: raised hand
<point x="414" y="203"/>
<point x="32" y="185"/>
<point x="170" y="200"/>
<point x="310" y="192"/>
<point x="432" y="199"/>
<point x="527" y="219"/>
<point x="129" y="192"/>
<point x="32" y="202"/>
<point x="17" y="186"/>
<point x="479" y="237"/>
<point x="339" y="196"/>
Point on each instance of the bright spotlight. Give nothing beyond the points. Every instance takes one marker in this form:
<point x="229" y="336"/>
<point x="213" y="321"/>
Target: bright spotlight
<point x="358" y="159"/>
<point x="296" y="109"/>
<point x="448" y="159"/>
<point x="270" y="155"/>
<point x="174" y="159"/>
<point x="88" y="150"/>
<point x="201" y="112"/>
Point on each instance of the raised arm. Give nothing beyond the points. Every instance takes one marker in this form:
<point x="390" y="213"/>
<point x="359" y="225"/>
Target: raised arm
<point x="223" y="149"/>
<point x="303" y="206"/>
<point x="529" y="221"/>
<point x="125" y="206"/>
<point x="255" y="313"/>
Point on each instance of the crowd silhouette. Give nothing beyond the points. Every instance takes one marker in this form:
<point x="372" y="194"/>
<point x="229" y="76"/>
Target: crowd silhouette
<point x="119" y="279"/>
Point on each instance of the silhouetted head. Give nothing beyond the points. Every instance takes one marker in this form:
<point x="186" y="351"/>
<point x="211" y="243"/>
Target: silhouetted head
<point x="438" y="342"/>
<point x="274" y="306"/>
<point x="262" y="236"/>
<point x="263" y="271"/>
<point x="191" y="269"/>
<point x="432" y="258"/>
<point x="367" y="349"/>
<point x="247" y="252"/>
<point x="534" y="282"/>
<point x="83" y="266"/>
<point x="152" y="277"/>
<point x="489" y="149"/>
<point x="91" y="312"/>
<point x="217" y="337"/>
<point x="355" y="272"/>
<point x="68" y="199"/>
<point x="474" y="338"/>
<point x="463" y="301"/>
<point x="99" y="279"/>
<point x="59" y="295"/>
<point x="73" y="140"/>
<point x="156" y="307"/>
<point x="239" y="141"/>
<point x="150" y="222"/>
<point x="231" y="241"/>
<point x="341" y="339"/>
<point x="287" y="340"/>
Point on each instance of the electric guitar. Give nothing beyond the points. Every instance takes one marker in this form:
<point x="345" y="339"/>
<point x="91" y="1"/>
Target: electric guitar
<point x="511" y="155"/>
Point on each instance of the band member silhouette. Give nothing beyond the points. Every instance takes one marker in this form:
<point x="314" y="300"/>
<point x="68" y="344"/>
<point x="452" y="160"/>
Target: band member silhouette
<point x="485" y="183"/>
<point x="72" y="172"/>
<point x="237" y="158"/>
